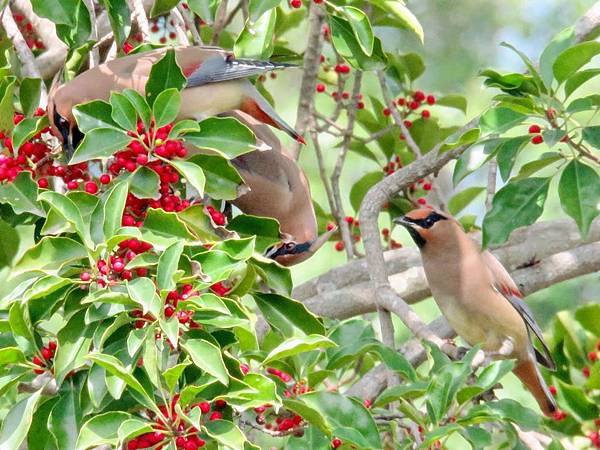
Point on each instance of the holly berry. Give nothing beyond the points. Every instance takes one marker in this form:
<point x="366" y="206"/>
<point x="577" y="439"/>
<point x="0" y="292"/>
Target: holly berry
<point x="330" y="226"/>
<point x="72" y="185"/>
<point x="421" y="201"/>
<point x="537" y="139"/>
<point x="320" y="87"/>
<point x="91" y="187"/>
<point x="336" y="443"/>
<point x="425" y="114"/>
<point x="85" y="276"/>
<point x="419" y="96"/>
<point x="296" y="4"/>
<point x="593" y="356"/>
<point x="414" y="105"/>
<point x="342" y="68"/>
<point x="552" y="389"/>
<point x="339" y="246"/>
<point x="105" y="178"/>
<point x="534" y="129"/>
<point x="427" y="186"/>
<point x="387" y="111"/>
<point x="430" y="100"/>
<point x="586" y="371"/>
<point x="43" y="183"/>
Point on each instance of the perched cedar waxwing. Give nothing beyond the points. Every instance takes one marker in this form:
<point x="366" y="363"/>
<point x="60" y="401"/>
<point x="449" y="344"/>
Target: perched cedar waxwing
<point x="216" y="83"/>
<point x="277" y="188"/>
<point x="479" y="298"/>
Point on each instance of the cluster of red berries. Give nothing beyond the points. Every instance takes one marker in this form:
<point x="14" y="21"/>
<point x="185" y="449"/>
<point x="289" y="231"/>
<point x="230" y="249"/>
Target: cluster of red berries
<point x="128" y="46"/>
<point x="593" y="357"/>
<point x="536" y="130"/>
<point x="44" y="359"/>
<point x="220" y="289"/>
<point x="354" y="226"/>
<point x="172" y="301"/>
<point x="392" y="244"/>
<point x="171" y="427"/>
<point x="410" y="104"/>
<point x="390" y="168"/>
<point x="166" y="27"/>
<point x="28" y="31"/>
<point x="29" y="154"/>
<point x="111" y="271"/>
<point x="217" y="216"/>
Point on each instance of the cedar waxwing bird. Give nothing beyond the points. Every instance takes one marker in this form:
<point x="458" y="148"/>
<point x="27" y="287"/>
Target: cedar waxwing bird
<point x="277" y="188"/>
<point x="216" y="83"/>
<point x="479" y="298"/>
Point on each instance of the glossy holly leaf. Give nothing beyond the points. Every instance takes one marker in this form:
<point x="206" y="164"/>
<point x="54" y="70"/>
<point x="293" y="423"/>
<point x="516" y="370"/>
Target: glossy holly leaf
<point x="9" y="245"/>
<point x="589" y="317"/>
<point x="165" y="74"/>
<point x="522" y="201"/>
<point x="500" y="119"/>
<point x="160" y="7"/>
<point x="507" y="152"/>
<point x="7" y="86"/>
<point x="193" y="174"/>
<point x="100" y="143"/>
<point x="166" y="107"/>
<point x="296" y="345"/>
<point x="573" y="58"/>
<point x="256" y="39"/>
<point x="207" y="357"/>
<point x="579" y="78"/>
<point x="50" y="254"/>
<point x="167" y="265"/>
<point x="562" y="41"/>
<point x="223" y="181"/>
<point x="226" y="433"/>
<point x="11" y="355"/>
<point x="361" y="27"/>
<point x="65" y="419"/>
<point x="402" y="15"/>
<point x="69" y="211"/>
<point x="461" y="200"/>
<point x="30" y="91"/>
<point x="163" y="227"/>
<point x="101" y="429"/>
<point x="144" y="183"/>
<point x="401" y="67"/>
<point x="22" y="195"/>
<point x="143" y="292"/>
<point x="141" y="105"/>
<point x="123" y="111"/>
<point x="225" y="135"/>
<point x="346" y="44"/>
<point x="265" y="229"/>
<point x="205" y="9"/>
<point x="532" y="167"/>
<point x="289" y="317"/>
<point x="17" y="421"/>
<point x="119" y="17"/>
<point x="453" y="101"/>
<point x="579" y="192"/>
<point x="94" y="114"/>
<point x="258" y="7"/>
<point x="58" y="11"/>
<point x="592" y="135"/>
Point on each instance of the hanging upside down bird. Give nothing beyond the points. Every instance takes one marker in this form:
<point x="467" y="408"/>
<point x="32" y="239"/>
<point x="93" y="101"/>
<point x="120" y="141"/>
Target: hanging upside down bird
<point x="479" y="298"/>
<point x="216" y="83"/>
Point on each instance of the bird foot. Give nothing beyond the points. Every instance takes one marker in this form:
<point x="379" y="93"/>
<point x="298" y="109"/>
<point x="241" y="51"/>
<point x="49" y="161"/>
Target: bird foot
<point x="460" y="353"/>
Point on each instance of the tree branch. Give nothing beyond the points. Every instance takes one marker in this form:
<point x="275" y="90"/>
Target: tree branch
<point x="22" y="50"/>
<point x="139" y="14"/>
<point x="588" y="26"/>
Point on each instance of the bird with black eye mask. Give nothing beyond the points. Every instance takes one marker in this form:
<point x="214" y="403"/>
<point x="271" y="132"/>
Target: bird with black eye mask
<point x="479" y="298"/>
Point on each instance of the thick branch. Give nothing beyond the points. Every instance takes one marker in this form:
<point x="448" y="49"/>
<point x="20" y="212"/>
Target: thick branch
<point x="139" y="14"/>
<point x="588" y="26"/>
<point x="21" y="48"/>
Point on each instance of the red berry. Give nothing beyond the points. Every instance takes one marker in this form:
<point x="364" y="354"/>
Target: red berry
<point x="38" y="362"/>
<point x="52" y="345"/>
<point x="47" y="353"/>
<point x="387" y="111"/>
<point x="342" y="68"/>
<point x="537" y="139"/>
<point x="427" y="186"/>
<point x="593" y="356"/>
<point x="71" y="185"/>
<point x="586" y="371"/>
<point x="204" y="407"/>
<point x="216" y="415"/>
<point x="430" y="100"/>
<point x="85" y="276"/>
<point x="43" y="183"/>
<point x="419" y="96"/>
<point x="336" y="443"/>
<point x="339" y="246"/>
<point x="132" y="445"/>
<point x="552" y="389"/>
<point x="421" y="201"/>
<point x="559" y="415"/>
<point x="91" y="187"/>
<point x="414" y="105"/>
<point x="190" y="445"/>
<point x="534" y="129"/>
<point x="105" y="178"/>
<point x="320" y="87"/>
<point x="407" y="123"/>
<point x="118" y="266"/>
<point x="141" y="271"/>
<point x="401" y="102"/>
<point x="425" y="114"/>
<point x="385" y="232"/>
<point x="360" y="105"/>
<point x="349" y="220"/>
<point x="330" y="226"/>
<point x="296" y="3"/>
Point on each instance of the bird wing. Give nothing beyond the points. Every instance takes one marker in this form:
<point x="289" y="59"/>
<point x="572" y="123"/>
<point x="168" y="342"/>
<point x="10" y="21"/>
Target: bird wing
<point x="224" y="67"/>
<point x="506" y="286"/>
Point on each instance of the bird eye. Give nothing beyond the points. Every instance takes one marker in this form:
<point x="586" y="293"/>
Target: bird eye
<point x="289" y="245"/>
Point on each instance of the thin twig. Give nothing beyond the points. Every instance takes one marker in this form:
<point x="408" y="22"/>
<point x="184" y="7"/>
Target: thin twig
<point x="314" y="46"/>
<point x="322" y="172"/>
<point x="220" y="22"/>
<point x="186" y="15"/>
<point x="491" y="184"/>
<point x="94" y="58"/>
<point x="182" y="36"/>
<point x="139" y="14"/>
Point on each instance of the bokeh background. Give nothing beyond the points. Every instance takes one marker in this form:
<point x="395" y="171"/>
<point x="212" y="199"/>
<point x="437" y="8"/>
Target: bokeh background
<point x="462" y="37"/>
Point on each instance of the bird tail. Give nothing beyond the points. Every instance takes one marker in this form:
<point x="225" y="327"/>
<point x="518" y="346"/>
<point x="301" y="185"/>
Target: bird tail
<point x="530" y="376"/>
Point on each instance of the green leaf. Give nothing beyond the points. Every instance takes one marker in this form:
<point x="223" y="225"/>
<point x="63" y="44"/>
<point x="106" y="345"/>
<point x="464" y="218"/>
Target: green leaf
<point x="573" y="58"/>
<point x="361" y="27"/>
<point x="144" y="183"/>
<point x="500" y="119"/>
<point x="256" y="40"/>
<point x="7" y="86"/>
<point x="222" y="179"/>
<point x="207" y="357"/>
<point x="346" y="44"/>
<point x="58" y="11"/>
<point x="167" y="265"/>
<point x="29" y="95"/>
<point x="507" y="152"/>
<point x="17" y="421"/>
<point x="75" y="339"/>
<point x="522" y="201"/>
<point x="143" y="292"/>
<point x="165" y="74"/>
<point x="362" y="186"/>
<point x="27" y="128"/>
<point x="164" y="226"/>
<point x="101" y="429"/>
<point x="578" y="79"/>
<point x="559" y="43"/>
<point x="453" y="101"/>
<point x="11" y="355"/>
<point x="65" y="419"/>
<point x="402" y="14"/>
<point x="461" y="200"/>
<point x="226" y="433"/>
<point x="534" y="166"/>
<point x="592" y="135"/>
<point x="123" y="111"/>
<point x="192" y="173"/>
<point x="113" y="206"/>
<point x="160" y="7"/>
<point x="589" y="317"/>
<point x="289" y="317"/>
<point x="205" y="9"/>
<point x="22" y="195"/>
<point x="265" y="229"/>
<point x="50" y="254"/>
<point x="115" y="367"/>
<point x="296" y="345"/>
<point x="258" y="7"/>
<point x="94" y="114"/>
<point x="69" y="211"/>
<point x="9" y="244"/>
<point x="579" y="191"/>
<point x="141" y="105"/>
<point x="216" y="264"/>
<point x="119" y="17"/>
<point x="100" y="143"/>
<point x="347" y="418"/>
<point x="172" y="374"/>
<point x="400" y="67"/>
<point x="225" y="135"/>
<point x="166" y="107"/>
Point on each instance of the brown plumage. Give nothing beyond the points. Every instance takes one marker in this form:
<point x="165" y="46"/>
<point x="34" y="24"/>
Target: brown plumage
<point x="479" y="298"/>
<point x="216" y="83"/>
<point x="277" y="188"/>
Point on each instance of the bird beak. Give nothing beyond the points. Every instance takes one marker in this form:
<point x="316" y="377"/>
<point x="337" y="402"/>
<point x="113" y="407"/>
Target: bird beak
<point x="402" y="220"/>
<point x="318" y="243"/>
